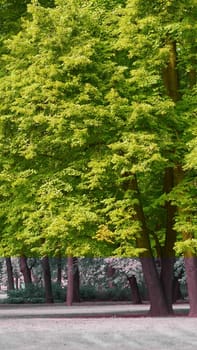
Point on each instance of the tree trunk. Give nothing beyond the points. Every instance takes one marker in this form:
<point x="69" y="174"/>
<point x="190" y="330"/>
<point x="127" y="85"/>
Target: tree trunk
<point x="170" y="74"/>
<point x="191" y="275"/>
<point x="9" y="274"/>
<point x="70" y="281"/>
<point x="59" y="271"/>
<point x="110" y="273"/>
<point x="167" y="265"/>
<point x="135" y="293"/>
<point x="158" y="302"/>
<point x="171" y="82"/>
<point x="168" y="254"/>
<point x="176" y="290"/>
<point x="76" y="281"/>
<point x="16" y="282"/>
<point x="25" y="270"/>
<point x="47" y="280"/>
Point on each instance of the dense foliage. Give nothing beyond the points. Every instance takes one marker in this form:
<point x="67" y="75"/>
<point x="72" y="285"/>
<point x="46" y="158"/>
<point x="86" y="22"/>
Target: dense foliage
<point x="98" y="131"/>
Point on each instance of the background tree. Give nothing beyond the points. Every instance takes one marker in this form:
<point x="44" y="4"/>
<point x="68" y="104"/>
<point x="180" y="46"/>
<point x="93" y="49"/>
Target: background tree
<point x="10" y="285"/>
<point x="133" y="270"/>
<point x="47" y="279"/>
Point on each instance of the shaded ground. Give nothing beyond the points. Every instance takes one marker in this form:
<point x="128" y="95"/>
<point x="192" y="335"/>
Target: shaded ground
<point x="58" y="328"/>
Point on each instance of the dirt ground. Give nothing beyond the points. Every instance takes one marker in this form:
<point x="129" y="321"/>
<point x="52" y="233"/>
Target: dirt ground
<point x="22" y="329"/>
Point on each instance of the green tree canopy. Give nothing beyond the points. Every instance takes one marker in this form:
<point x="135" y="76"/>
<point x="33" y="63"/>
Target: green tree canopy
<point x="97" y="103"/>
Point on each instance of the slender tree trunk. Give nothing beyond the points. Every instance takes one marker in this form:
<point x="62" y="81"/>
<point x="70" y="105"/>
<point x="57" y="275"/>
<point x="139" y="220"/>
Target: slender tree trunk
<point x="76" y="281"/>
<point x="16" y="282"/>
<point x="170" y="74"/>
<point x="110" y="273"/>
<point x="59" y="271"/>
<point x="135" y="293"/>
<point x="70" y="281"/>
<point x="171" y="82"/>
<point x="9" y="273"/>
<point x="168" y="254"/>
<point x="176" y="291"/>
<point x="25" y="270"/>
<point x="47" y="279"/>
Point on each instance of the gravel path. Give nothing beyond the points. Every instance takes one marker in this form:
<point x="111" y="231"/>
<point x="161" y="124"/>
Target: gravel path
<point x="97" y="334"/>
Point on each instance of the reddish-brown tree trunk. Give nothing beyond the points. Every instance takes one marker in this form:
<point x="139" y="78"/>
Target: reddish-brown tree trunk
<point x="158" y="302"/>
<point x="47" y="280"/>
<point x="191" y="275"/>
<point x="167" y="264"/>
<point x="25" y="270"/>
<point x="76" y="281"/>
<point x="135" y="293"/>
<point x="176" y="290"/>
<point x="9" y="273"/>
<point x="110" y="273"/>
<point x="70" y="281"/>
<point x="59" y="271"/>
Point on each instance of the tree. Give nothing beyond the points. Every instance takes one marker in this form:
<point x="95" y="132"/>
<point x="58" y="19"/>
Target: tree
<point x="61" y="82"/>
<point x="73" y="281"/>
<point x="10" y="273"/>
<point x="24" y="268"/>
<point x="47" y="279"/>
<point x="142" y="169"/>
<point x="133" y="270"/>
<point x="96" y="109"/>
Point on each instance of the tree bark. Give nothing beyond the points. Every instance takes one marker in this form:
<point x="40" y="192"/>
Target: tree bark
<point x="168" y="254"/>
<point x="176" y="291"/>
<point x="25" y="270"/>
<point x="16" y="282"/>
<point x="76" y="281"/>
<point x="170" y="74"/>
<point x="110" y="273"/>
<point x="135" y="293"/>
<point x="59" y="271"/>
<point x="70" y="281"/>
<point x="158" y="302"/>
<point x="171" y="82"/>
<point x="9" y="273"/>
<point x="191" y="275"/>
<point x="47" y="279"/>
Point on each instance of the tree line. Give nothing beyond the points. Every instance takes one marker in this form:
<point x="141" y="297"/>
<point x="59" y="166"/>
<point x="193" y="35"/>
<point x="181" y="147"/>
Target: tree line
<point x="98" y="134"/>
<point x="30" y="280"/>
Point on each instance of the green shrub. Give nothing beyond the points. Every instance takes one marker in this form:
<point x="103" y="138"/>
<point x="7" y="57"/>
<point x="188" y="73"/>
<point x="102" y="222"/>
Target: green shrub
<point x="30" y="294"/>
<point x="34" y="294"/>
<point x="59" y="292"/>
<point x="114" y="294"/>
<point x="90" y="293"/>
<point x="15" y="300"/>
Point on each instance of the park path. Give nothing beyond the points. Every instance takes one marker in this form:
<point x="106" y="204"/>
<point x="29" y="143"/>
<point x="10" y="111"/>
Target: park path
<point x="141" y="333"/>
<point x="97" y="326"/>
<point x="79" y="310"/>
